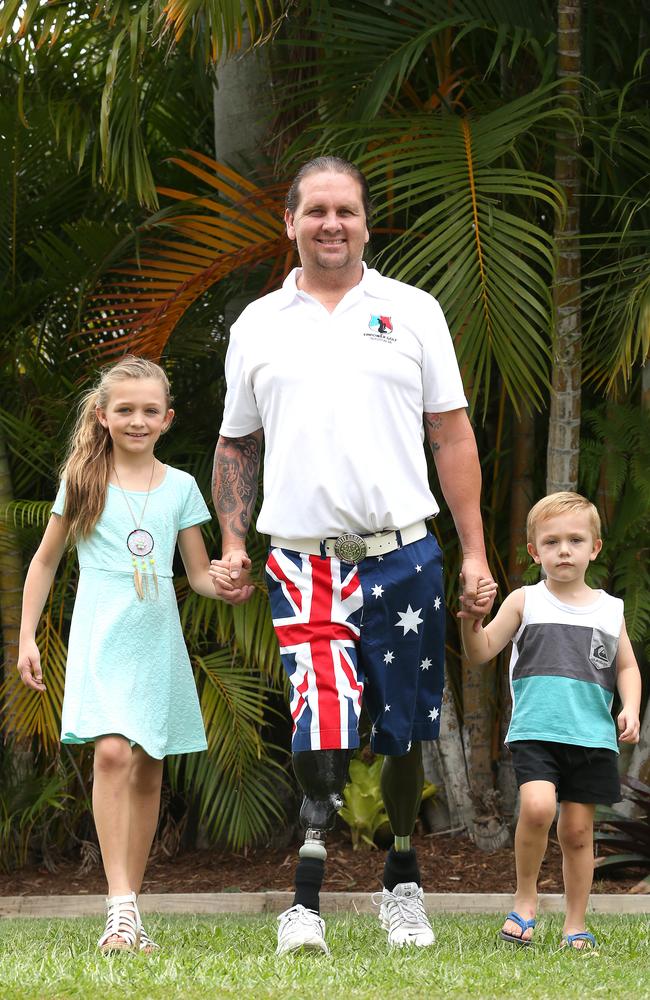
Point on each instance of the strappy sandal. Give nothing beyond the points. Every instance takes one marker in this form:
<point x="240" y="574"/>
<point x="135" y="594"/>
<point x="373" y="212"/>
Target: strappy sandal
<point x="122" y="923"/>
<point x="147" y="945"/>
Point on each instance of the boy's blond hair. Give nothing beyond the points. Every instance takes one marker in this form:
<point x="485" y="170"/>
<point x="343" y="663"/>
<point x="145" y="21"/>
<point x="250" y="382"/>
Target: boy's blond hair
<point x="560" y="503"/>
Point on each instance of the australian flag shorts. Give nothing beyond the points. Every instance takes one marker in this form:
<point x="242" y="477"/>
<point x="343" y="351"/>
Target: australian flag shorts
<point x="373" y="632"/>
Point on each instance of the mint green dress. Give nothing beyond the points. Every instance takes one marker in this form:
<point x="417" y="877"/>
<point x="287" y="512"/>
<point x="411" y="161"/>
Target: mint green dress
<point x="128" y="671"/>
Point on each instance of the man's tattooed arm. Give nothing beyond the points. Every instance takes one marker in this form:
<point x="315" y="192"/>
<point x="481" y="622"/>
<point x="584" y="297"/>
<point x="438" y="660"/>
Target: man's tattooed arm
<point x="235" y="477"/>
<point x="433" y="427"/>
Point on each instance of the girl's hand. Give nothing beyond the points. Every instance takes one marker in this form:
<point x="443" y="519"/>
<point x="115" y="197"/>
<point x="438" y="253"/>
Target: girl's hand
<point x="628" y="725"/>
<point x="233" y="591"/>
<point x="29" y="666"/>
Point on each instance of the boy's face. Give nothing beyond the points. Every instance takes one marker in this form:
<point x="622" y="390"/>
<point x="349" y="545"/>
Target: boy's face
<point x="564" y="545"/>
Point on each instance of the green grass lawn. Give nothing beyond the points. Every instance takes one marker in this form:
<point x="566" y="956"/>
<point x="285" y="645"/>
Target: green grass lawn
<point x="234" y="957"/>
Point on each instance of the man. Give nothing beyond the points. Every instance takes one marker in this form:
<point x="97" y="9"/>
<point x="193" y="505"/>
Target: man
<point x="337" y="371"/>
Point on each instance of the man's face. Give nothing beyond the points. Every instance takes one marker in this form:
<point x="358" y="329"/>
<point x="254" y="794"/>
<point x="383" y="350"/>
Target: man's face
<point x="329" y="224"/>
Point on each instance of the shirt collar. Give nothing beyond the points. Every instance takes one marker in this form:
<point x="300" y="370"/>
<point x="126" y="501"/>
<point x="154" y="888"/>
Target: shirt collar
<point x="369" y="285"/>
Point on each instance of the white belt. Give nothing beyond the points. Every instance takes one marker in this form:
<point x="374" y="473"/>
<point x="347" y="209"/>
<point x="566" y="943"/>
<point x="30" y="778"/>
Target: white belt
<point x="352" y="548"/>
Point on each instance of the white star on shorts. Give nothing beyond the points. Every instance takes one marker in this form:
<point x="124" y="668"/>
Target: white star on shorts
<point x="426" y="663"/>
<point x="386" y="708"/>
<point x="373" y="730"/>
<point x="433" y="714"/>
<point x="410" y="620"/>
<point x="418" y="569"/>
<point x="377" y="590"/>
<point x="389" y="656"/>
<point x="437" y="604"/>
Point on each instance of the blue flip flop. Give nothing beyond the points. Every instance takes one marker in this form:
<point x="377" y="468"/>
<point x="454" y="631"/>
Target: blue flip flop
<point x="589" y="939"/>
<point x="518" y="939"/>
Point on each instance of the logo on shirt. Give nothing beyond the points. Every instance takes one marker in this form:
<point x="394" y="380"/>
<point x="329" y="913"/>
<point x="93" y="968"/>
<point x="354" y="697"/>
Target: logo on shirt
<point x="599" y="654"/>
<point x="380" y="328"/>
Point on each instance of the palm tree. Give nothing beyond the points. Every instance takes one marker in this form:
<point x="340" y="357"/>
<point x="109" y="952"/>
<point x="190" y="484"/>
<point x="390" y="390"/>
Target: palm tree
<point x="564" y="422"/>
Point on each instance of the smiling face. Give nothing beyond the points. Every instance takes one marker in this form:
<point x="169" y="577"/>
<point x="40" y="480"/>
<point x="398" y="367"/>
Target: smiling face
<point x="136" y="414"/>
<point x="565" y="545"/>
<point x="329" y="226"/>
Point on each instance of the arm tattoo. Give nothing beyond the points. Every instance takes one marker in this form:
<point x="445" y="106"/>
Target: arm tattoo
<point x="433" y="423"/>
<point x="234" y="481"/>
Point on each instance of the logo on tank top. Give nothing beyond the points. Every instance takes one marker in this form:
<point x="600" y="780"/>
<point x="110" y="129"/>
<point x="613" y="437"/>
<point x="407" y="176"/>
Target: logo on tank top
<point x="599" y="654"/>
<point x="381" y="328"/>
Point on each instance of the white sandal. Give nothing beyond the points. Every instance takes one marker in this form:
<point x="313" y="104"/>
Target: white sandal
<point x="147" y="945"/>
<point x="122" y="922"/>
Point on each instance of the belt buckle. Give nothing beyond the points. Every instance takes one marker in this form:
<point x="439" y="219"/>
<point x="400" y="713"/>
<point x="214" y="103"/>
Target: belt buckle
<point x="350" y="548"/>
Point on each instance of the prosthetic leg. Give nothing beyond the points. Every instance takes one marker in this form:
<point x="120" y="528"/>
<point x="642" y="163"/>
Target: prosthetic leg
<point x="402" y="780"/>
<point x="322" y="775"/>
<point x="402" y="911"/>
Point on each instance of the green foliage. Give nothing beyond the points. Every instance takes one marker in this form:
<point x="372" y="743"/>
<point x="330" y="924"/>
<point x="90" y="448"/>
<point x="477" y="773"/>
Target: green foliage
<point x="624" y="841"/>
<point x="615" y="472"/>
<point x="363" y="809"/>
<point x="27" y="801"/>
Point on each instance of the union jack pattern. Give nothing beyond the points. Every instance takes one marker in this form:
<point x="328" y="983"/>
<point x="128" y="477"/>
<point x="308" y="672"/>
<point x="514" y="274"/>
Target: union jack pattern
<point x="378" y="626"/>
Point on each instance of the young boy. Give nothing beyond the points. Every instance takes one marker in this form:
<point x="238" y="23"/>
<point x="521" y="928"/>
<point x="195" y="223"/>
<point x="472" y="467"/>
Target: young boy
<point x="570" y="651"/>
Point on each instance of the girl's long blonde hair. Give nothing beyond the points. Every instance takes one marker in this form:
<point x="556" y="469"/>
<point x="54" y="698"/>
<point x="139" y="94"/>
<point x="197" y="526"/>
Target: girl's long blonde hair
<point x="87" y="466"/>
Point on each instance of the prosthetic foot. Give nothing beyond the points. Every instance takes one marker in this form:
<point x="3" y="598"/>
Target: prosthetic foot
<point x="322" y="775"/>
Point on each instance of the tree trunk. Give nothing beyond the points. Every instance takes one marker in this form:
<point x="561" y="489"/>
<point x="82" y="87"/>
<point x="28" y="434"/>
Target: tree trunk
<point x="242" y="107"/>
<point x="453" y="767"/>
<point x="564" y="423"/>
<point x="521" y="500"/>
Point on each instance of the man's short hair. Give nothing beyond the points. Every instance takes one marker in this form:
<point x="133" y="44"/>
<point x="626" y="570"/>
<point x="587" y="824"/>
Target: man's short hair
<point x="335" y="165"/>
<point x="560" y="503"/>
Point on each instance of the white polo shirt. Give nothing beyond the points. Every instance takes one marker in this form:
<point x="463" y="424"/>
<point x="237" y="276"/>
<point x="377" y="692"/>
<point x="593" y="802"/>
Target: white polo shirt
<point x="340" y="397"/>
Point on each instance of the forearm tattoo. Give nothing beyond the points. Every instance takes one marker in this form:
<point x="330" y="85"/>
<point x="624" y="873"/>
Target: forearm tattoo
<point x="234" y="482"/>
<point x="433" y="424"/>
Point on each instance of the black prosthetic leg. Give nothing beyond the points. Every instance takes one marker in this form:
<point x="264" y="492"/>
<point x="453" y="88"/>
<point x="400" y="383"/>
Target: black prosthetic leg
<point x="322" y="775"/>
<point x="402" y="779"/>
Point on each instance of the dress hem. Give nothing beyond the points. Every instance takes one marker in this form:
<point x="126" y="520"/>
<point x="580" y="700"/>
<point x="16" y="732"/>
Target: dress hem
<point x="73" y="739"/>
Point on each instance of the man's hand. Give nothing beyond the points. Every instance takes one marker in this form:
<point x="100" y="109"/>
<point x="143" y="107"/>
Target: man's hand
<point x="29" y="666"/>
<point x="230" y="577"/>
<point x="479" y="591"/>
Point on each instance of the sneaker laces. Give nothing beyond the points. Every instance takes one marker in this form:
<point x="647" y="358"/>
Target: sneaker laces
<point x="408" y="909"/>
<point x="299" y="914"/>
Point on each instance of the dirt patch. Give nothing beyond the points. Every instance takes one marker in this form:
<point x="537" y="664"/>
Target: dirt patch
<point x="448" y="864"/>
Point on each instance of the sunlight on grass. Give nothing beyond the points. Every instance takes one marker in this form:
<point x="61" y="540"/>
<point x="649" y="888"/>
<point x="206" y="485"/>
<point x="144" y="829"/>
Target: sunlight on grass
<point x="204" y="957"/>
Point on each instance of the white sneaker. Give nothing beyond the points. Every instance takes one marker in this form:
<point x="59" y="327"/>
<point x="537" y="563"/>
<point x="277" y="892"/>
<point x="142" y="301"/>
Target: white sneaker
<point x="300" y="928"/>
<point x="402" y="914"/>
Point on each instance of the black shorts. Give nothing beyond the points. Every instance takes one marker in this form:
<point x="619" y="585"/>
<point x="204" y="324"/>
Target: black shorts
<point x="580" y="774"/>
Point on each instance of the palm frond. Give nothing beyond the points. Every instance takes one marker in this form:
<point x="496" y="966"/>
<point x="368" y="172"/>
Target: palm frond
<point x="237" y="779"/>
<point x="237" y="225"/>
<point x="23" y="513"/>
<point x="468" y="239"/>
<point x="28" y="713"/>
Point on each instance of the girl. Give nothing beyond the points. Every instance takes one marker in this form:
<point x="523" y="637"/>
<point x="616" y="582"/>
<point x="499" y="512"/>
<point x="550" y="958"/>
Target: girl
<point x="129" y="686"/>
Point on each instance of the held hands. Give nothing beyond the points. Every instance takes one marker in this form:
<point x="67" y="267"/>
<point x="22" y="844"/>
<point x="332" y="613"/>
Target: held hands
<point x="477" y="598"/>
<point x="29" y="666"/>
<point x="628" y="725"/>
<point x="231" y="577"/>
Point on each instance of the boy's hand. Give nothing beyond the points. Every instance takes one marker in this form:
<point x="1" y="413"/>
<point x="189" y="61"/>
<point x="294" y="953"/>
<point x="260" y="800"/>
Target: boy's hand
<point x="233" y="591"/>
<point x="628" y="725"/>
<point x="485" y="593"/>
<point x="29" y="666"/>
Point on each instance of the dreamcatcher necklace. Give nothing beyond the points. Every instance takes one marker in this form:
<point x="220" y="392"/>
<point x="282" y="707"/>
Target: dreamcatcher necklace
<point x="140" y="543"/>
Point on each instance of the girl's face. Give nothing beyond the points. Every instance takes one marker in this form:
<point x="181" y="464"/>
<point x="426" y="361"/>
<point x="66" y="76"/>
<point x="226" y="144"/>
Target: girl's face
<point x="136" y="414"/>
